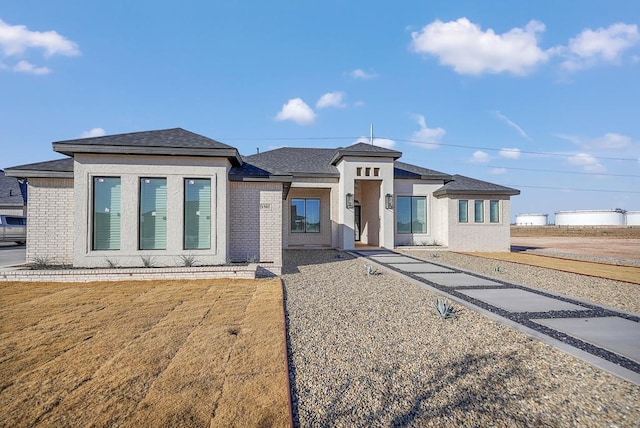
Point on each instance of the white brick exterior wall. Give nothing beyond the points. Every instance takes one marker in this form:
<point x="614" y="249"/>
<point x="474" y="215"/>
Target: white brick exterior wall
<point x="486" y="236"/>
<point x="50" y="223"/>
<point x="255" y="222"/>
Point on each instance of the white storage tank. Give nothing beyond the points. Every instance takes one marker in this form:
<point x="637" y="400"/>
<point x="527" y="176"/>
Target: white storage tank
<point x="633" y="218"/>
<point x="532" y="219"/>
<point x="615" y="217"/>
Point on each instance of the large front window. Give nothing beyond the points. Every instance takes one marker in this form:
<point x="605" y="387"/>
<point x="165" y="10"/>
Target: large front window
<point x="411" y="214"/>
<point x="305" y="215"/>
<point x="197" y="213"/>
<point x="106" y="213"/>
<point x="153" y="214"/>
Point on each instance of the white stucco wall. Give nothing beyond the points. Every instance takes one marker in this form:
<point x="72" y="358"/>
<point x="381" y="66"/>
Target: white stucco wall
<point x="348" y="167"/>
<point x="255" y="224"/>
<point x="486" y="236"/>
<point x="130" y="169"/>
<point x="437" y="213"/>
<point x="50" y="220"/>
<point x="324" y="238"/>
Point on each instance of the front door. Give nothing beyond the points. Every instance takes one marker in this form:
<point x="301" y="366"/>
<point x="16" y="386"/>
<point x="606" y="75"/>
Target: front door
<point x="356" y="223"/>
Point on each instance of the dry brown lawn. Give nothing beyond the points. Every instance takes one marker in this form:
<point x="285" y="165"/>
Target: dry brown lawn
<point x="617" y="273"/>
<point x="143" y="353"/>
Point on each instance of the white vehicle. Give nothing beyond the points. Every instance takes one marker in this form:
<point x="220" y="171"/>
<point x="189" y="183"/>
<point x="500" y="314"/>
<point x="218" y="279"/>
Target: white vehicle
<point x="13" y="228"/>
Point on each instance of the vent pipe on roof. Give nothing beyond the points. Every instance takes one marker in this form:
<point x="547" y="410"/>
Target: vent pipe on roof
<point x="371" y="135"/>
<point x="258" y="150"/>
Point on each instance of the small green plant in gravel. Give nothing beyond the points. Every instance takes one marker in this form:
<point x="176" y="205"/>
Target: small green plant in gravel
<point x="370" y="270"/>
<point x="498" y="269"/>
<point x="444" y="310"/>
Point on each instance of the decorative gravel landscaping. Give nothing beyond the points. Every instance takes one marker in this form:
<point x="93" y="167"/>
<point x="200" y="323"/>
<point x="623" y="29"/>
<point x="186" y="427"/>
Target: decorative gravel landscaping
<point x="369" y="350"/>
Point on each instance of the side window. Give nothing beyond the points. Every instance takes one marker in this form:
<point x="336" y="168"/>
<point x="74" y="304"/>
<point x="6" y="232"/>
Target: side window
<point x="305" y="215"/>
<point x="494" y="211"/>
<point x="106" y="213"/>
<point x="197" y="213"/>
<point x="152" y="226"/>
<point x="463" y="211"/>
<point x="411" y="214"/>
<point x="478" y="211"/>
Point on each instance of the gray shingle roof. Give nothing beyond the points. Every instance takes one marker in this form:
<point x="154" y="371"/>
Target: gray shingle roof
<point x="10" y="193"/>
<point x="175" y="141"/>
<point x="408" y="171"/>
<point x="62" y="168"/>
<point x="461" y="185"/>
<point x="289" y="161"/>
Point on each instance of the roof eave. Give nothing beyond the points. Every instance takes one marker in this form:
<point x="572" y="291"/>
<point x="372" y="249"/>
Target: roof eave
<point x="362" y="153"/>
<point x="35" y="173"/>
<point x="511" y="192"/>
<point x="270" y="178"/>
<point x="71" y="149"/>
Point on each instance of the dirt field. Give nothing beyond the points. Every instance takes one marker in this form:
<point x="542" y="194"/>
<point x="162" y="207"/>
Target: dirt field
<point x="620" y="232"/>
<point x="171" y="353"/>
<point x="600" y="247"/>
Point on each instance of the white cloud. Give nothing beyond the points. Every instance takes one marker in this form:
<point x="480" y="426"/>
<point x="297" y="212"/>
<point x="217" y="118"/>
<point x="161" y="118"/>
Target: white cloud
<point x="93" y="132"/>
<point x="26" y="67"/>
<point x="358" y="104"/>
<point x="428" y="138"/>
<point x="604" y="45"/>
<point x="297" y="111"/>
<point x="506" y="120"/>
<point x="497" y="171"/>
<point x="331" y="99"/>
<point x="479" y="157"/>
<point x="15" y="39"/>
<point x="587" y="162"/>
<point x="361" y="74"/>
<point x="510" y="153"/>
<point x="380" y="142"/>
<point x="610" y="140"/>
<point x="464" y="46"/>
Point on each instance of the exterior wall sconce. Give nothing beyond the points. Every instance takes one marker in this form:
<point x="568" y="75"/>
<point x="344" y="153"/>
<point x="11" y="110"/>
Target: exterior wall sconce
<point x="349" y="201"/>
<point x="388" y="201"/>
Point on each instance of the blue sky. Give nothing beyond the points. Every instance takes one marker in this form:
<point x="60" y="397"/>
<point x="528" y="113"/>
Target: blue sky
<point x="538" y="95"/>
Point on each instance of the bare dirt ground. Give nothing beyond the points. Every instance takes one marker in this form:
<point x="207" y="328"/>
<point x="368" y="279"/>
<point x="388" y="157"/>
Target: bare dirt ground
<point x="148" y="353"/>
<point x="592" y="246"/>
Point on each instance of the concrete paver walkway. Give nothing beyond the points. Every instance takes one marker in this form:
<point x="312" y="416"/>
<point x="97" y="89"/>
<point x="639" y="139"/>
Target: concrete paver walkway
<point x="604" y="337"/>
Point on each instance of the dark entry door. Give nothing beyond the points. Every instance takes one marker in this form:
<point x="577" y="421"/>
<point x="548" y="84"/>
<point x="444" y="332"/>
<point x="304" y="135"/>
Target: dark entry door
<point x="356" y="222"/>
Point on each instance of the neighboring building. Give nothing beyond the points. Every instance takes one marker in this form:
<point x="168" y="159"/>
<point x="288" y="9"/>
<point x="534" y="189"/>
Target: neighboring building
<point x="171" y="193"/>
<point x="11" y="200"/>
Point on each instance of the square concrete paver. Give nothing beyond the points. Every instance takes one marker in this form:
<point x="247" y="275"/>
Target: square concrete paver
<point x="615" y="334"/>
<point x="394" y="258"/>
<point x="516" y="300"/>
<point x="419" y="267"/>
<point x="457" y="280"/>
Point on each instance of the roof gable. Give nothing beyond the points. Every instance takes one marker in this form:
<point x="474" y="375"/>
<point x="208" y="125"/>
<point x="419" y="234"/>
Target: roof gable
<point x="364" y="150"/>
<point x="10" y="192"/>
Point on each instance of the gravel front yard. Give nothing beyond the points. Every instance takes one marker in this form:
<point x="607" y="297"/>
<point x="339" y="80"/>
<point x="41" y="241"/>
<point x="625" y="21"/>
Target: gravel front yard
<point x="368" y="351"/>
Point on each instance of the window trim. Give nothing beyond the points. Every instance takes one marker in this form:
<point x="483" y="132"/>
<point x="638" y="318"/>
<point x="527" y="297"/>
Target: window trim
<point x="466" y="211"/>
<point x="93" y="213"/>
<point x="291" y="230"/>
<point x="495" y="202"/>
<point x="426" y="214"/>
<point x="185" y="180"/>
<point x="478" y="218"/>
<point x="166" y="207"/>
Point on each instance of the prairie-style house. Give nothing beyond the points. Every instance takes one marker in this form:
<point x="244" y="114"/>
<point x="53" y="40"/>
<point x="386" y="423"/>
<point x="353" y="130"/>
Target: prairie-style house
<point x="172" y="193"/>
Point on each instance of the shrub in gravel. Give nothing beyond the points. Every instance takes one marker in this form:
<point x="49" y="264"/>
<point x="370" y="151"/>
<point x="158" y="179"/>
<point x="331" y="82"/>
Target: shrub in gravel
<point x="444" y="309"/>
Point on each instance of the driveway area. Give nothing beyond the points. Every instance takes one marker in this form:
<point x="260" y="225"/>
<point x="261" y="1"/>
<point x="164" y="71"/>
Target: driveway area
<point x="146" y="353"/>
<point x="12" y="254"/>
